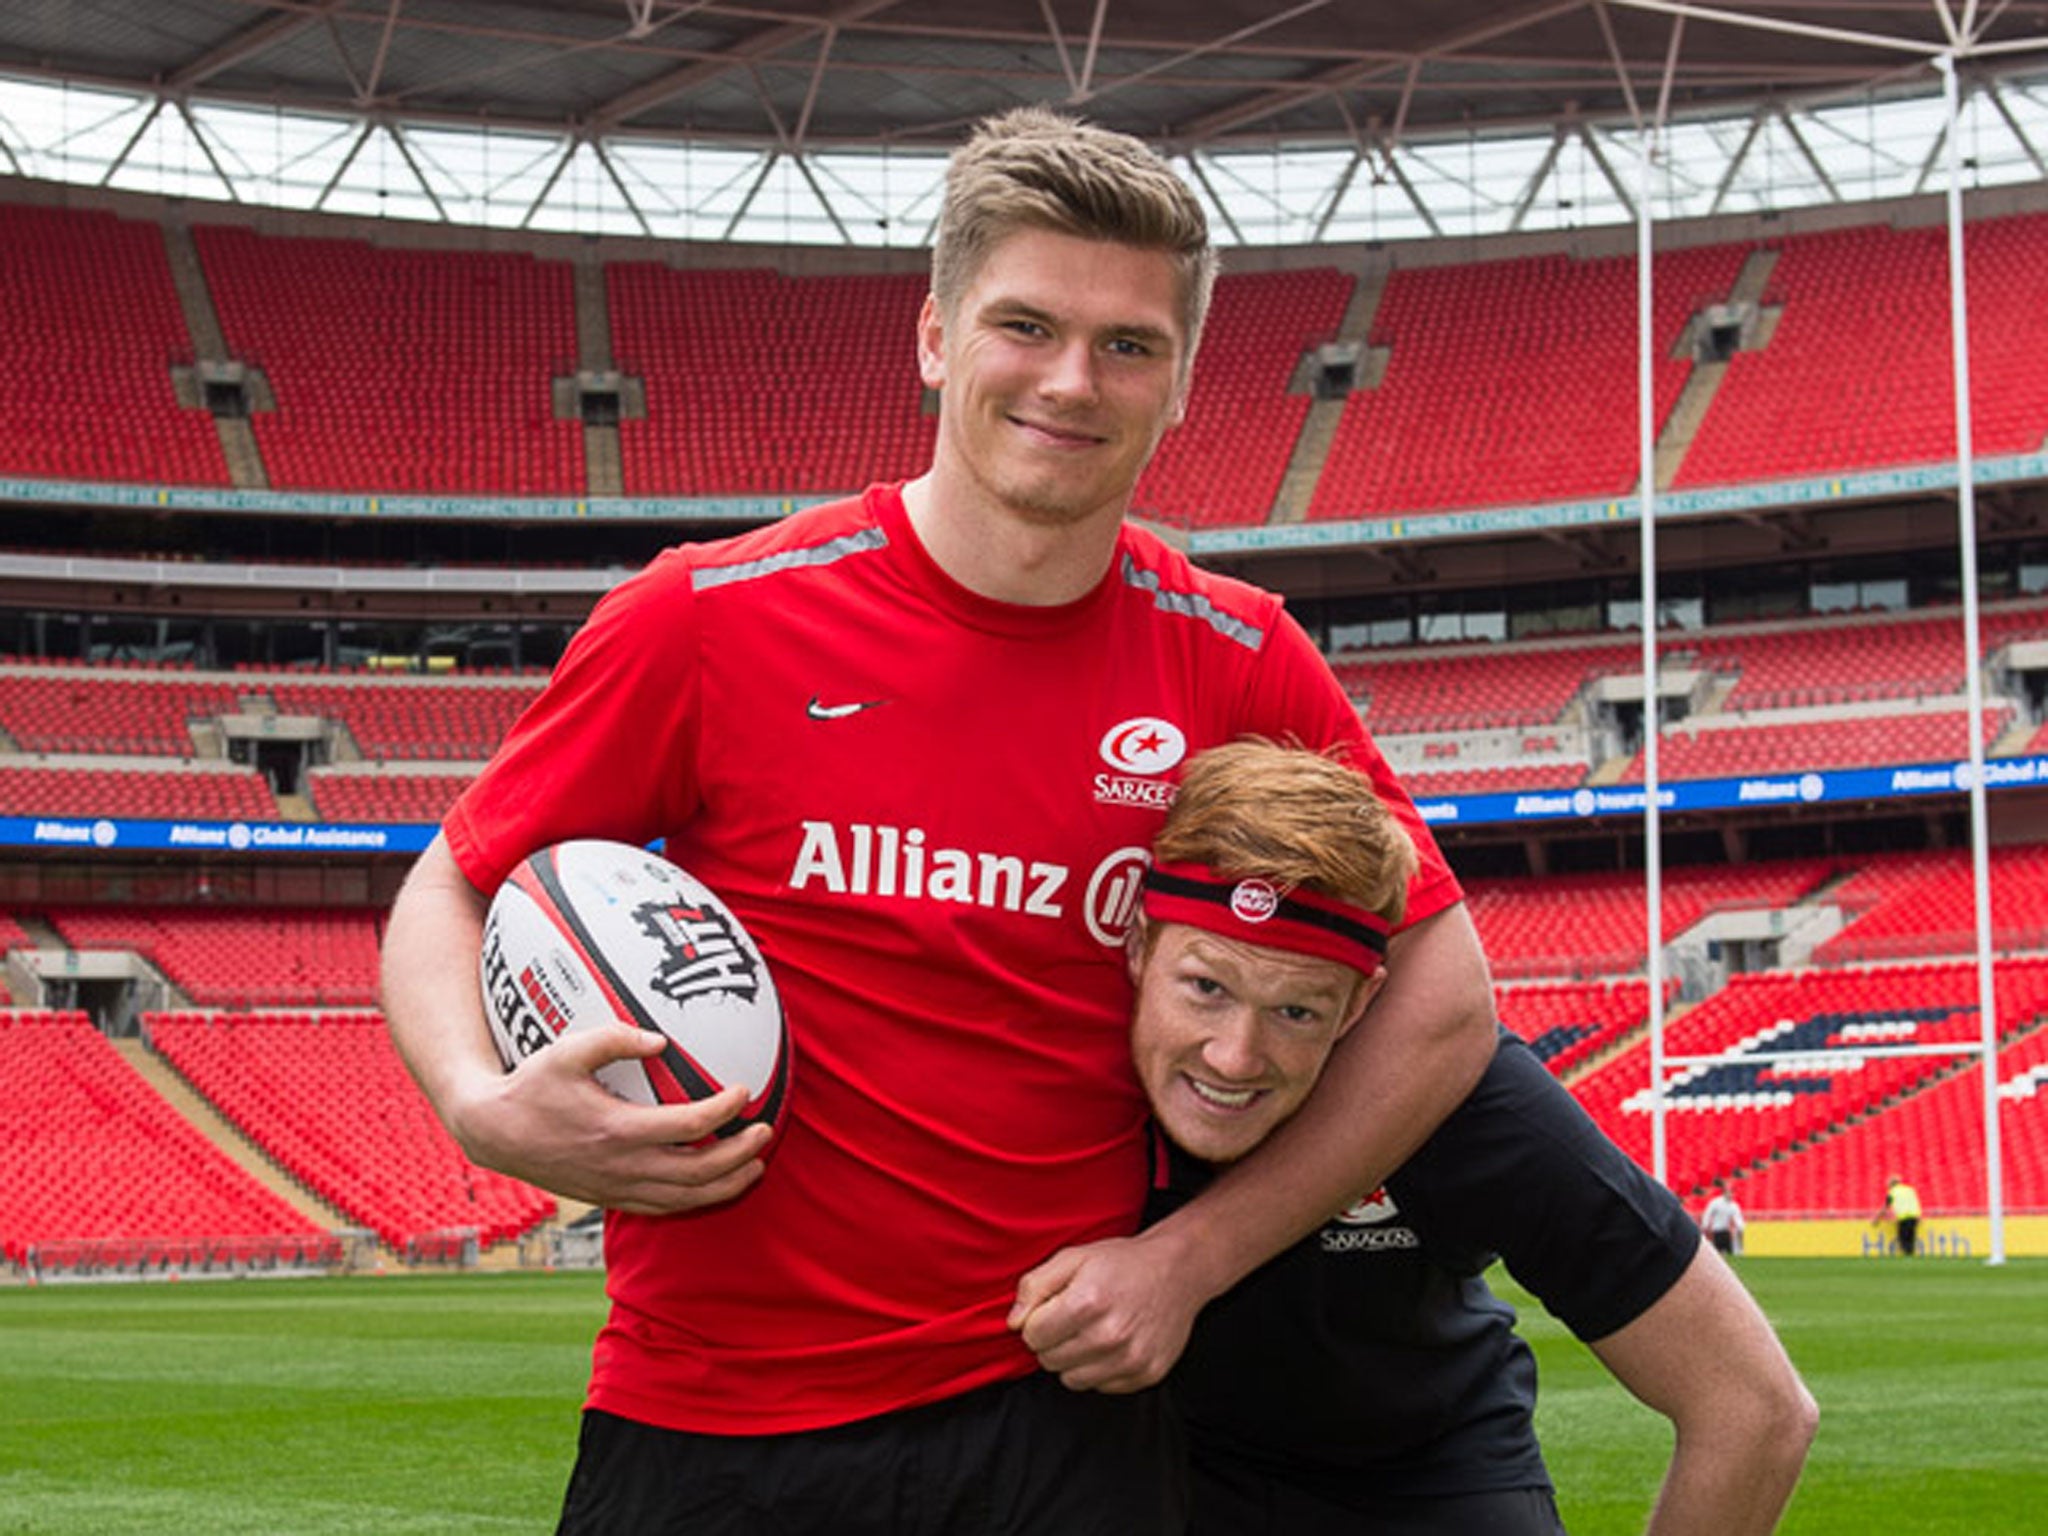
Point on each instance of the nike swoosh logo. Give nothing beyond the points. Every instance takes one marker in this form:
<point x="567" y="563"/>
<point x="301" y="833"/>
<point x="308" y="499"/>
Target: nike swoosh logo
<point x="818" y="711"/>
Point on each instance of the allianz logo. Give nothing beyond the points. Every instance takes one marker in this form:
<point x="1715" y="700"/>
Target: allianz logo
<point x="880" y="860"/>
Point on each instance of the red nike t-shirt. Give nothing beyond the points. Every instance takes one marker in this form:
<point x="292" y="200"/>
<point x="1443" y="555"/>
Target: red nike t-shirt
<point x="931" y="811"/>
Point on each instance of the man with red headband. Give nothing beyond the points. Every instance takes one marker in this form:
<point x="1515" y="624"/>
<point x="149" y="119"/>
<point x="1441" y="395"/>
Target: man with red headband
<point x="1366" y="1380"/>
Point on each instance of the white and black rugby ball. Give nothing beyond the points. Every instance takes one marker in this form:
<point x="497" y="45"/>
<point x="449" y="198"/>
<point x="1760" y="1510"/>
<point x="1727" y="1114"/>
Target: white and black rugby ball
<point x="587" y="933"/>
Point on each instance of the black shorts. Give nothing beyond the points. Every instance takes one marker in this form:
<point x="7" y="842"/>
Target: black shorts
<point x="1239" y="1501"/>
<point x="1021" y="1458"/>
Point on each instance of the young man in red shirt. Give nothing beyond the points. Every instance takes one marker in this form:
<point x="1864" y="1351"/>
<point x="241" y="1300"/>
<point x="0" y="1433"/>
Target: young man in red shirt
<point x="920" y="740"/>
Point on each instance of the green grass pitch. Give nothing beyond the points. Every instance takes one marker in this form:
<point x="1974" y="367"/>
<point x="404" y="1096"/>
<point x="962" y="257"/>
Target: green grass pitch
<point x="448" y="1403"/>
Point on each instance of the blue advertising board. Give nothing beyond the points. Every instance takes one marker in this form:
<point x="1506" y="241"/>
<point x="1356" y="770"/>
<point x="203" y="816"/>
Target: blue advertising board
<point x="88" y="834"/>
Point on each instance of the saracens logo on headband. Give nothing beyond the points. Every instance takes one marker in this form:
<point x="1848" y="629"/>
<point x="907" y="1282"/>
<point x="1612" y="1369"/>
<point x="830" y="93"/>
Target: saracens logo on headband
<point x="1254" y="901"/>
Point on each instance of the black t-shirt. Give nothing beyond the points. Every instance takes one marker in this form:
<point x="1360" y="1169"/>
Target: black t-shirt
<point x="1370" y="1360"/>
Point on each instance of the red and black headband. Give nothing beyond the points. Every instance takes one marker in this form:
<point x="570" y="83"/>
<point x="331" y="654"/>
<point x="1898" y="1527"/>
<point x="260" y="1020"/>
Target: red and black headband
<point x="1259" y="912"/>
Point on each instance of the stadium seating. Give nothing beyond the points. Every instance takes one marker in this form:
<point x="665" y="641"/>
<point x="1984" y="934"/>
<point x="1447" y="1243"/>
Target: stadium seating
<point x="1857" y="742"/>
<point x="1925" y="904"/>
<point x="1567" y="1023"/>
<point x="1722" y="1118"/>
<point x="1223" y="465"/>
<point x="1512" y="381"/>
<point x="401" y="370"/>
<point x="1821" y="664"/>
<point x="1858" y="373"/>
<point x="1934" y="1137"/>
<point x="383" y="797"/>
<point x="396" y="721"/>
<point x="241" y="957"/>
<point x="759" y="384"/>
<point x="218" y="795"/>
<point x="80" y="709"/>
<point x="93" y="330"/>
<point x="1476" y="689"/>
<point x="327" y="1096"/>
<point x="93" y="1162"/>
<point x="1595" y="924"/>
<point x="1561" y="774"/>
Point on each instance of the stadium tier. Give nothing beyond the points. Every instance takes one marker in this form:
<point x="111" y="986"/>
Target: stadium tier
<point x="428" y="719"/>
<point x="1857" y="372"/>
<point x="93" y="330"/>
<point x="1934" y="1137"/>
<point x="1529" y="686"/>
<point x="328" y="1098"/>
<point x="404" y="797"/>
<point x="1505" y="382"/>
<point x="1725" y="1116"/>
<point x="1924" y="903"/>
<point x="422" y="370"/>
<point x="1512" y="381"/>
<point x="1222" y="467"/>
<point x="215" y="794"/>
<point x="1427" y="782"/>
<point x="74" y="709"/>
<point x="1586" y="925"/>
<point x="97" y="1169"/>
<point x="1933" y="736"/>
<point x="1856" y="663"/>
<point x="241" y="958"/>
<point x="1569" y="1022"/>
<point x="759" y="384"/>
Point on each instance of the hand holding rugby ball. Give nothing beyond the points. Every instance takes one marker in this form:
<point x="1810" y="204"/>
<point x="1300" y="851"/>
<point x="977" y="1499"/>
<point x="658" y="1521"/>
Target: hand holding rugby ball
<point x="589" y="933"/>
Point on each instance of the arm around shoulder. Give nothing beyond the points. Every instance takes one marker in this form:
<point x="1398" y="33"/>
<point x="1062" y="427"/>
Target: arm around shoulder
<point x="1705" y="1357"/>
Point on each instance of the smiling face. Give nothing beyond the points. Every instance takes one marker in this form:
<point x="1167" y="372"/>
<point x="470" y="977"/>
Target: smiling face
<point x="1229" y="1037"/>
<point x="1060" y="366"/>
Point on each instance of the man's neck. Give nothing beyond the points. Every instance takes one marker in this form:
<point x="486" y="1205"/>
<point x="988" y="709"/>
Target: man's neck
<point x="1004" y="556"/>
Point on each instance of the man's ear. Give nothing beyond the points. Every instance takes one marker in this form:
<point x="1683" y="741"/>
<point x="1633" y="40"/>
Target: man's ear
<point x="1368" y="989"/>
<point x="931" y="343"/>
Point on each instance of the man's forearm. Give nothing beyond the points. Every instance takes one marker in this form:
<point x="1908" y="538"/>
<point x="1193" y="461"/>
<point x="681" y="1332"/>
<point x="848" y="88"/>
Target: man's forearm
<point x="429" y="986"/>
<point x="1388" y="1085"/>
<point x="1705" y="1357"/>
<point x="1728" y="1490"/>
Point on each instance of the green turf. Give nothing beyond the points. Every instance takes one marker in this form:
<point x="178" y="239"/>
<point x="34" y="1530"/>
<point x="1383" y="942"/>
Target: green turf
<point x="1930" y="1374"/>
<point x="412" y="1405"/>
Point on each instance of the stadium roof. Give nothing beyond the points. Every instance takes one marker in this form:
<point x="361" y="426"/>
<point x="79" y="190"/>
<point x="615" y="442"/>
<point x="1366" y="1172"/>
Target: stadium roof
<point x="914" y="72"/>
<point x="1315" y="107"/>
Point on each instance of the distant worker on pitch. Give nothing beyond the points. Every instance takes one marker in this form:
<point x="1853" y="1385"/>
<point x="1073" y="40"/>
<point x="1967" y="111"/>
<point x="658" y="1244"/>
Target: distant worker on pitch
<point x="918" y="739"/>
<point x="1722" y="1220"/>
<point x="1367" y="1381"/>
<point x="1901" y="1208"/>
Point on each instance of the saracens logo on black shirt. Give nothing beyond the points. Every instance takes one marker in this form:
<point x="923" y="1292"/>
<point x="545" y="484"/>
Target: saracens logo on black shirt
<point x="1366" y="1227"/>
<point x="701" y="955"/>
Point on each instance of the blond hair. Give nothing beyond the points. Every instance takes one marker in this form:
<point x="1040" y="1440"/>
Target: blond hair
<point x="1293" y="817"/>
<point x="1033" y="168"/>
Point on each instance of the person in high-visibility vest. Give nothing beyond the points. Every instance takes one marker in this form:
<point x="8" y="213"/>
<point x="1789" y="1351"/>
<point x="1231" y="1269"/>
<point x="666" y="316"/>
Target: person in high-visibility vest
<point x="1902" y="1207"/>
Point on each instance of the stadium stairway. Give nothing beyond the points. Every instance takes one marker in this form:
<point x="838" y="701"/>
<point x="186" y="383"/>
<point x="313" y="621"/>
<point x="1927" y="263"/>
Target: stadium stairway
<point x="1704" y="382"/>
<point x="1319" y="427"/>
<point x="209" y="346"/>
<point x="172" y="1087"/>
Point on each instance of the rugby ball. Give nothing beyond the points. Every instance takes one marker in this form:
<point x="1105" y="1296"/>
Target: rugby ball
<point x="587" y="933"/>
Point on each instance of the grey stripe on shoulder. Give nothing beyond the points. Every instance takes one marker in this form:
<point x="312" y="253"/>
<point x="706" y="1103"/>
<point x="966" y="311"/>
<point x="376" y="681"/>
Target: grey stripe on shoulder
<point x="704" y="577"/>
<point x="1192" y="605"/>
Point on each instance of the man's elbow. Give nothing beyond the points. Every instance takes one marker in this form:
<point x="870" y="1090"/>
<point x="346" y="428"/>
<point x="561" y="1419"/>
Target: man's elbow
<point x="1798" y="1421"/>
<point x="1779" y="1426"/>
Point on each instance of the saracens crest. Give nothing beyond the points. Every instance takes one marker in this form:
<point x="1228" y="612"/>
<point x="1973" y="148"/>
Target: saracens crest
<point x="701" y="954"/>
